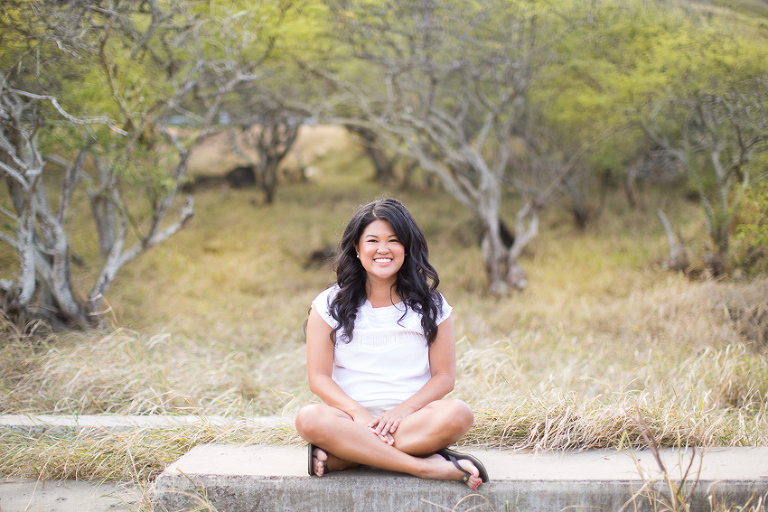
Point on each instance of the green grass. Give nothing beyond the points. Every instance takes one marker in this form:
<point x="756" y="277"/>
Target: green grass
<point x="210" y="323"/>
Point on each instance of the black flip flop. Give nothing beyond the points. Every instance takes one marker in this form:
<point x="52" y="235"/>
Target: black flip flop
<point x="310" y="468"/>
<point x="455" y="457"/>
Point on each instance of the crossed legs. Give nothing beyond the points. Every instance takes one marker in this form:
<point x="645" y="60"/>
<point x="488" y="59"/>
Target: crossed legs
<point x="344" y="443"/>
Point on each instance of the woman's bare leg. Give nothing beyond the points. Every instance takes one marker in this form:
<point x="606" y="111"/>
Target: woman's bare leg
<point x="345" y="443"/>
<point x="436" y="426"/>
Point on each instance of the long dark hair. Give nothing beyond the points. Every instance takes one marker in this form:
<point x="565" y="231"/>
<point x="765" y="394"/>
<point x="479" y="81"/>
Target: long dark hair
<point x="416" y="280"/>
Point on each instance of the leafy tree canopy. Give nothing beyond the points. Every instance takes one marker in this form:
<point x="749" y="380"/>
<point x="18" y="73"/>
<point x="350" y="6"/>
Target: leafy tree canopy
<point x="632" y="53"/>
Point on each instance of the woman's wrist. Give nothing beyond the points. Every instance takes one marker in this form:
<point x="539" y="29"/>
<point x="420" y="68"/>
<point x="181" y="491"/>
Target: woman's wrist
<point x="360" y="413"/>
<point x="408" y="407"/>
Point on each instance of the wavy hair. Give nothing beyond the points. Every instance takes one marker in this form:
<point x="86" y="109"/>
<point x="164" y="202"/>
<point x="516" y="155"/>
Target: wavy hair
<point x="417" y="279"/>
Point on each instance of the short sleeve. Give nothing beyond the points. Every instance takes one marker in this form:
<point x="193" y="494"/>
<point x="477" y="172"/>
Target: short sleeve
<point x="322" y="304"/>
<point x="445" y="312"/>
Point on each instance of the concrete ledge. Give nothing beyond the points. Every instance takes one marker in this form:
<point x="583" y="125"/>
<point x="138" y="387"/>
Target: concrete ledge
<point x="54" y="424"/>
<point x="26" y="495"/>
<point x="266" y="479"/>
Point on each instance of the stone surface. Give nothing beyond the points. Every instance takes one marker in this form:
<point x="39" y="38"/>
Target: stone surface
<point x="227" y="478"/>
<point x="265" y="479"/>
<point x="22" y="495"/>
<point x="48" y="423"/>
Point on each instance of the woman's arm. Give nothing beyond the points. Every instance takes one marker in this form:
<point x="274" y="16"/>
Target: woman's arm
<point x="320" y="369"/>
<point x="442" y="365"/>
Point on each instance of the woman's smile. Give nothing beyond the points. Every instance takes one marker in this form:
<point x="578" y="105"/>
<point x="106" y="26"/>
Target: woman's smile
<point x="380" y="251"/>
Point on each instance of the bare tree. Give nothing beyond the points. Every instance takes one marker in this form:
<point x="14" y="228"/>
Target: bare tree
<point x="454" y="77"/>
<point x="715" y="137"/>
<point x="166" y="43"/>
<point x="271" y="134"/>
<point x="42" y="252"/>
<point x="383" y="164"/>
<point x="270" y="129"/>
<point x="542" y="157"/>
<point x="678" y="259"/>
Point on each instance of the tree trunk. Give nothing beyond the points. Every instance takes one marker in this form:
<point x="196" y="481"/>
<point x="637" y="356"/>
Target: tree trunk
<point x="383" y="165"/>
<point x="494" y="255"/>
<point x="502" y="261"/>
<point x="526" y="229"/>
<point x="41" y="241"/>
<point x="717" y="260"/>
<point x="22" y="295"/>
<point x="501" y="251"/>
<point x="630" y="186"/>
<point x="408" y="174"/>
<point x="678" y="260"/>
<point x="268" y="171"/>
<point x="578" y="204"/>
<point x="103" y="208"/>
<point x="276" y="137"/>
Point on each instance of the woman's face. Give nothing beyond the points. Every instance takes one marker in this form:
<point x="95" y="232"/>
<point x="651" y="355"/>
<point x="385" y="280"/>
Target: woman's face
<point x="380" y="252"/>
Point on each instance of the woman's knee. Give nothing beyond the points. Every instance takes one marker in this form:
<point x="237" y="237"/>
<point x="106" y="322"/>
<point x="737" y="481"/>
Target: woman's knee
<point x="460" y="414"/>
<point x="315" y="421"/>
<point x="307" y="420"/>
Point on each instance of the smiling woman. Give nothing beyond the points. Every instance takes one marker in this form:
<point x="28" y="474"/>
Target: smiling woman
<point x="381" y="254"/>
<point x="381" y="356"/>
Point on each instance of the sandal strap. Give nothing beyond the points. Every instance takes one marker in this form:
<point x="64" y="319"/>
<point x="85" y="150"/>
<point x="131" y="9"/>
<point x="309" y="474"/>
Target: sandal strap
<point x="467" y="474"/>
<point x="449" y="454"/>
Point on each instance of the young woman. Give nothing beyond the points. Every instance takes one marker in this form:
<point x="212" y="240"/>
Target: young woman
<point x="380" y="355"/>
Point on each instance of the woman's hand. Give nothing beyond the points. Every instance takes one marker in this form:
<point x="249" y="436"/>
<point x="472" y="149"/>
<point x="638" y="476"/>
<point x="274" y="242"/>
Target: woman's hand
<point x="364" y="417"/>
<point x="386" y="424"/>
<point x="361" y="415"/>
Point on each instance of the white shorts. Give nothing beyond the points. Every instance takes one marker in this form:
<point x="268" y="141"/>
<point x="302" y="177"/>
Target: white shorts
<point x="377" y="411"/>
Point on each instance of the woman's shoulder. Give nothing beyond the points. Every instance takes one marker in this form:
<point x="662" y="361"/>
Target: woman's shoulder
<point x="322" y="303"/>
<point x="444" y="308"/>
<point x="325" y="297"/>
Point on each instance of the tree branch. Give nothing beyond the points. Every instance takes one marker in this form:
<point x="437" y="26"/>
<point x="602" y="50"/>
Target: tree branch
<point x="70" y="118"/>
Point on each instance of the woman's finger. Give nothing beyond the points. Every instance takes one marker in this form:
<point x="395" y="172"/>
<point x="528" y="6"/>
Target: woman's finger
<point x="381" y="427"/>
<point x="387" y="425"/>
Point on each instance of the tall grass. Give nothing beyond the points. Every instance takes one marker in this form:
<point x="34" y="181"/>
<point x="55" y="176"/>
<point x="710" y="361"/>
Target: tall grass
<point x="210" y="323"/>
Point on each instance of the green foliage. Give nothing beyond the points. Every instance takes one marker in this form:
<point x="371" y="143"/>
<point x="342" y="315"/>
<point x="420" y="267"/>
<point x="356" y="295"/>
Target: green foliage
<point x="620" y="56"/>
<point x="752" y="226"/>
<point x="103" y="82"/>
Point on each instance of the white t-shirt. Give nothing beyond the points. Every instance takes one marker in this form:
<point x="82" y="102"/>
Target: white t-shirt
<point x="387" y="359"/>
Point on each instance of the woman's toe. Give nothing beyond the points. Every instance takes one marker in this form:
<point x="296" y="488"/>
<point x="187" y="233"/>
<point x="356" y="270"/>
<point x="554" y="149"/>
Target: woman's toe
<point x="319" y="458"/>
<point x="474" y="480"/>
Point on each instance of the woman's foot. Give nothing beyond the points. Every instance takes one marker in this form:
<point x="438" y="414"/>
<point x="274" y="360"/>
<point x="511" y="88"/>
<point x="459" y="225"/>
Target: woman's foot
<point x="318" y="461"/>
<point x="323" y="462"/>
<point x="442" y="469"/>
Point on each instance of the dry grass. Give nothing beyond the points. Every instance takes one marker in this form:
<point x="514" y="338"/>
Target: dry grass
<point x="210" y="323"/>
<point x="131" y="455"/>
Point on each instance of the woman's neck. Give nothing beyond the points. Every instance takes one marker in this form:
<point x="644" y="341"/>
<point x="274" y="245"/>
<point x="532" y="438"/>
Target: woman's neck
<point x="382" y="295"/>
